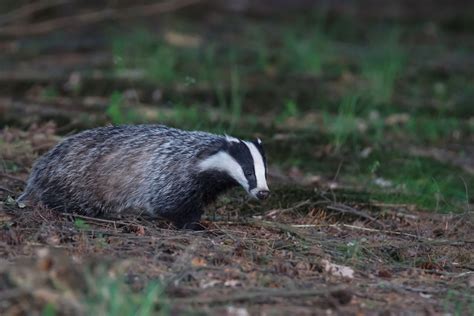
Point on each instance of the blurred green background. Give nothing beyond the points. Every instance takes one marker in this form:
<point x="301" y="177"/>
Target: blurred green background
<point x="373" y="100"/>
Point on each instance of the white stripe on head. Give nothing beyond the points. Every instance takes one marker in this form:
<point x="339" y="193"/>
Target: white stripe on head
<point x="232" y="139"/>
<point x="259" y="167"/>
<point x="222" y="161"/>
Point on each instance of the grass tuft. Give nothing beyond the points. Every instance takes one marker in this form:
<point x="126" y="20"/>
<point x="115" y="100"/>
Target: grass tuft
<point x="344" y="126"/>
<point x="111" y="296"/>
<point x="382" y="66"/>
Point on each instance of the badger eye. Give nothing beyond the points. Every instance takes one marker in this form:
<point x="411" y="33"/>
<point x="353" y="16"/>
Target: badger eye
<point x="248" y="173"/>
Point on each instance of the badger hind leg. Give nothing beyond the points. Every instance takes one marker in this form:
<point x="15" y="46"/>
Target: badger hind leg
<point x="26" y="198"/>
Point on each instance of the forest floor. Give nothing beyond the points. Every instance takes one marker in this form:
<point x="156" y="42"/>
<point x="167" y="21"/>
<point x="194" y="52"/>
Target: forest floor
<point x="369" y="132"/>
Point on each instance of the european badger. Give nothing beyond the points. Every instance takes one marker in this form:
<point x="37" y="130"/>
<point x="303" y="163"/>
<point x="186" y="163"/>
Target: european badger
<point x="153" y="169"/>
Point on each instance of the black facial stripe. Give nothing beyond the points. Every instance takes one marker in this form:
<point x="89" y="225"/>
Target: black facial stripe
<point x="241" y="153"/>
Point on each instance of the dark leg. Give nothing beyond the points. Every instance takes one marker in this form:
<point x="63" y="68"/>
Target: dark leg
<point x="189" y="221"/>
<point x="196" y="226"/>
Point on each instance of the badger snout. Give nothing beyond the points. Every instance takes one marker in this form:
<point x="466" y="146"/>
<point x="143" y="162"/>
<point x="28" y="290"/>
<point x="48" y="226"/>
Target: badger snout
<point x="263" y="194"/>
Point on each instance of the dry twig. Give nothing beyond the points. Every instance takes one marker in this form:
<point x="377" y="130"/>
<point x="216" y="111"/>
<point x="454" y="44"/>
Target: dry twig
<point x="260" y="295"/>
<point x="4" y="175"/>
<point x="345" y="209"/>
<point x="289" y="209"/>
<point x="95" y="17"/>
<point x="28" y="10"/>
<point x="380" y="231"/>
<point x="6" y="190"/>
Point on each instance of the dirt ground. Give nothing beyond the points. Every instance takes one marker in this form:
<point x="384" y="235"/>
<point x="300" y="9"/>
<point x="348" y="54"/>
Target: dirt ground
<point x="318" y="256"/>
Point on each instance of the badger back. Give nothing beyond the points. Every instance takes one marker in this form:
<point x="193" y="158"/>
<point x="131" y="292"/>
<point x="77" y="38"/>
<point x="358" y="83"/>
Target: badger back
<point x="119" y="167"/>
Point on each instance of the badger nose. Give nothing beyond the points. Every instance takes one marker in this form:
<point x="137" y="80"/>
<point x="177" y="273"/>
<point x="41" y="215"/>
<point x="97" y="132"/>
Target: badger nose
<point x="262" y="195"/>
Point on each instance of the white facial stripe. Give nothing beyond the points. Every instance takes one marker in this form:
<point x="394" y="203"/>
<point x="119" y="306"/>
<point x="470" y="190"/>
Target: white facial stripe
<point x="222" y="161"/>
<point x="259" y="167"/>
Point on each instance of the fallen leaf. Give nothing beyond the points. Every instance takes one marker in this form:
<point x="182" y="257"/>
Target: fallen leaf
<point x="182" y="40"/>
<point x="383" y="183"/>
<point x="198" y="262"/>
<point x="384" y="274"/>
<point x="237" y="311"/>
<point x="232" y="283"/>
<point x="140" y="231"/>
<point x="337" y="270"/>
<point x="397" y="119"/>
<point x="207" y="284"/>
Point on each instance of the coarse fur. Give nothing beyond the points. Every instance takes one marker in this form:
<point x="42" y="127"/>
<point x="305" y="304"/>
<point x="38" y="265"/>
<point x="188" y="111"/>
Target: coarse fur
<point x="150" y="169"/>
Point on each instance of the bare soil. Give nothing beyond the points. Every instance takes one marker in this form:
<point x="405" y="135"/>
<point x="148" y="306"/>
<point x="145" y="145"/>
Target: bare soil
<point x="260" y="259"/>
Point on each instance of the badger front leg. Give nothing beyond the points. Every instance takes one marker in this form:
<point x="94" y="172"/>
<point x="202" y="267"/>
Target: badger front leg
<point x="189" y="220"/>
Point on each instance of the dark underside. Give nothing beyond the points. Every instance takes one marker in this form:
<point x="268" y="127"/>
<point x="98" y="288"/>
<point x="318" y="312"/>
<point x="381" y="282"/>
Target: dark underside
<point x="209" y="185"/>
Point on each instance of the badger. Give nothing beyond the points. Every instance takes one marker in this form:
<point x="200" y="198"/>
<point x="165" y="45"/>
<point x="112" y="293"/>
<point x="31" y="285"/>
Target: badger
<point x="150" y="169"/>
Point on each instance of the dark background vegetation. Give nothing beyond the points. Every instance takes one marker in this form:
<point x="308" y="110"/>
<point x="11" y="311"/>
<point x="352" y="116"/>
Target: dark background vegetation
<point x="366" y="112"/>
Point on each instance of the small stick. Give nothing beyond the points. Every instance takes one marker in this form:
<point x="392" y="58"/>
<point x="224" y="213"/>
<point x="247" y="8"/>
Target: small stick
<point x="460" y="275"/>
<point x="28" y="10"/>
<point x="289" y="209"/>
<point x="95" y="17"/>
<point x="344" y="209"/>
<point x="10" y="294"/>
<point x="388" y="205"/>
<point x="281" y="227"/>
<point x="257" y="295"/>
<point x="380" y="231"/>
<point x="6" y="190"/>
<point x="4" y="175"/>
<point x="100" y="220"/>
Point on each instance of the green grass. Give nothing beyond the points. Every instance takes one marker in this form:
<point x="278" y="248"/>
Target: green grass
<point x="146" y="52"/>
<point x="230" y="97"/>
<point x="111" y="296"/>
<point x="162" y="63"/>
<point x="49" y="93"/>
<point x="220" y="67"/>
<point x="118" y="112"/>
<point x="358" y="121"/>
<point x="423" y="129"/>
<point x="260" y="47"/>
<point x="187" y="117"/>
<point x="458" y="302"/>
<point x="353" y="251"/>
<point x="49" y="310"/>
<point x="343" y="127"/>
<point x="290" y="110"/>
<point x="237" y="96"/>
<point x="427" y="183"/>
<point x="81" y="224"/>
<point x="382" y="65"/>
<point x="305" y="52"/>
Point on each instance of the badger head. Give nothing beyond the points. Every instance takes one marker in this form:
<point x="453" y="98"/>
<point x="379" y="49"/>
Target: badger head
<point x="244" y="162"/>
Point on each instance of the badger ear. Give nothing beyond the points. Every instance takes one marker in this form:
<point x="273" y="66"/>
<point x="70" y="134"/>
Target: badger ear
<point x="258" y="142"/>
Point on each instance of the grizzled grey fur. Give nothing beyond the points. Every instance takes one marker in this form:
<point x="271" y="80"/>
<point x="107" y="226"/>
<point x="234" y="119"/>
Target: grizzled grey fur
<point x="151" y="169"/>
